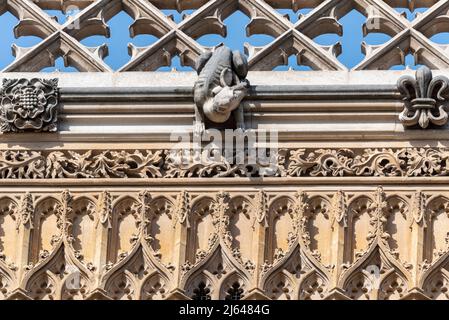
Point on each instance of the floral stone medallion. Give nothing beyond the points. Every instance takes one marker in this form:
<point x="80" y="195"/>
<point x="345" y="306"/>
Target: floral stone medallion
<point x="29" y="105"/>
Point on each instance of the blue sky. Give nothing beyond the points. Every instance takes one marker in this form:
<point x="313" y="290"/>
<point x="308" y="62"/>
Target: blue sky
<point x="236" y="23"/>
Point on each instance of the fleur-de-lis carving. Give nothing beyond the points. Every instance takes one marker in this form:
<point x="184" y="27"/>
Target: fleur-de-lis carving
<point x="425" y="99"/>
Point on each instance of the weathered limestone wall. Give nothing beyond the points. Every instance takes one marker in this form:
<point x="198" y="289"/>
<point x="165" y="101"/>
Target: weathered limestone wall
<point x="353" y="189"/>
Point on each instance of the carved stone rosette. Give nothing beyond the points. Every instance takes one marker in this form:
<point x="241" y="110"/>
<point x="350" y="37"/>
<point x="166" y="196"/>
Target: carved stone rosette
<point x="29" y="105"/>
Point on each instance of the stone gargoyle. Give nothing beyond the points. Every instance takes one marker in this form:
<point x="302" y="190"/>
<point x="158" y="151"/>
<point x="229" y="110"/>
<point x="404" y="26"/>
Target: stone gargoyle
<point x="220" y="88"/>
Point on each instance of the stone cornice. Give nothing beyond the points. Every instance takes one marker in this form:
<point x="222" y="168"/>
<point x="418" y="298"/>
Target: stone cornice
<point x="301" y="106"/>
<point x="257" y="92"/>
<point x="186" y="79"/>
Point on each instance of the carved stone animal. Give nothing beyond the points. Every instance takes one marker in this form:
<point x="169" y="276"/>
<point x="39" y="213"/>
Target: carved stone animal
<point x="221" y="86"/>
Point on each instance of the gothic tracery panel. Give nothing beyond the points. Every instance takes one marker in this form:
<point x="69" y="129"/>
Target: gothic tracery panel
<point x="211" y="268"/>
<point x="289" y="36"/>
<point x="281" y="228"/>
<point x="47" y="228"/>
<point x="398" y="228"/>
<point x="438" y="230"/>
<point x="360" y="228"/>
<point x="125" y="224"/>
<point x="161" y="229"/>
<point x="83" y="229"/>
<point x="9" y="236"/>
<point x="241" y="227"/>
<point x="318" y="226"/>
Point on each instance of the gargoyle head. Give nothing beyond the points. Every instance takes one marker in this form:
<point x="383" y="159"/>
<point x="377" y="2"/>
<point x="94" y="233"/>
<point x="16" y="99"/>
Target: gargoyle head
<point x="225" y="100"/>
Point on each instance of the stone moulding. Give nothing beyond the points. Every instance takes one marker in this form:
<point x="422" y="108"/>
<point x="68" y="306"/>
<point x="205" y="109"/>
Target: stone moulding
<point x="29" y="105"/>
<point x="152" y="164"/>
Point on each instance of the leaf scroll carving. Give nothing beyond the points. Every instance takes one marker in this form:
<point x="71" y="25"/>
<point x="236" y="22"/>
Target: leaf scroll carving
<point x="153" y="164"/>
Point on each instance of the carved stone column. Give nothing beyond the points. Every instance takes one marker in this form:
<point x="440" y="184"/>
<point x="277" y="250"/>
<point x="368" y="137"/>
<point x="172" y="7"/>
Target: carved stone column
<point x="103" y="226"/>
<point x="339" y="225"/>
<point x="260" y="227"/>
<point x="181" y="226"/>
<point x="24" y="227"/>
<point x="418" y="225"/>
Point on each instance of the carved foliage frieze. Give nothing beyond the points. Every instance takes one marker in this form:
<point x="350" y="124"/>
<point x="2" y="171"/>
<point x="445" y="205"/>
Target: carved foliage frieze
<point x="149" y="164"/>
